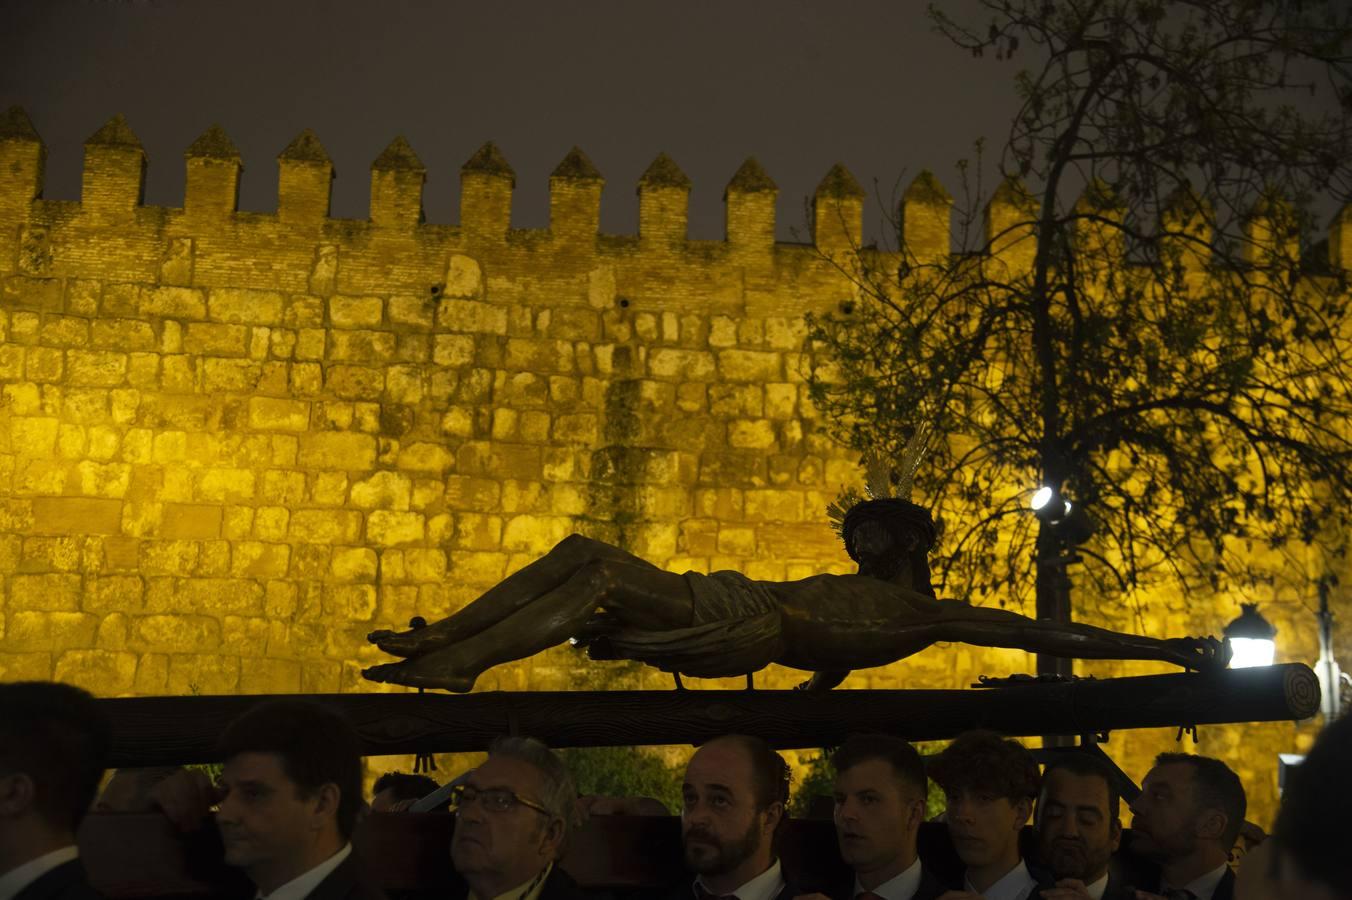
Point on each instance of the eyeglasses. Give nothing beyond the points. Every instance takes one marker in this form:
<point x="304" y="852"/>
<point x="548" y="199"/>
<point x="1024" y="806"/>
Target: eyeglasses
<point x="493" y="800"/>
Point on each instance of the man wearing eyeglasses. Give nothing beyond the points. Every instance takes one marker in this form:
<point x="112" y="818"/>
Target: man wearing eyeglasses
<point x="513" y="817"/>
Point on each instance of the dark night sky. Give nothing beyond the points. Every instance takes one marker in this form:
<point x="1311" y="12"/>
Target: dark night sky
<point x="801" y="85"/>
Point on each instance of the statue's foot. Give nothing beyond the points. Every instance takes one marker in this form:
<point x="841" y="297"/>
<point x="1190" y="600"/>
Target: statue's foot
<point x="412" y="674"/>
<point x="414" y="642"/>
<point x="1202" y="654"/>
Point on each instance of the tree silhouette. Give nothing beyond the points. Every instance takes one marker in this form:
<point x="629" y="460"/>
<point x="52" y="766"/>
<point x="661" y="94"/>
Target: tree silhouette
<point x="1142" y="324"/>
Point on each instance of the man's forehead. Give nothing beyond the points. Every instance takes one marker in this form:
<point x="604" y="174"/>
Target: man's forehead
<point x="720" y="764"/>
<point x="1074" y="789"/>
<point x="254" y="766"/>
<point x="1174" y="774"/>
<point x="505" y="772"/>
<point x="869" y="774"/>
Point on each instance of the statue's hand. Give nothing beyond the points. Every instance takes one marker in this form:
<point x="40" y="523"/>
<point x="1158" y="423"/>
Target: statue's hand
<point x="822" y="681"/>
<point x="1202" y="654"/>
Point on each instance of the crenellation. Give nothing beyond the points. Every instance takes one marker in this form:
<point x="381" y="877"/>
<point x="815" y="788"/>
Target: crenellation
<point x="1099" y="229"/>
<point x="304" y="182"/>
<point x="926" y="220"/>
<point x="1011" y="226"/>
<point x="113" y="183"/>
<point x="838" y="214"/>
<point x="213" y="170"/>
<point x="23" y="162"/>
<point x="575" y="203"/>
<point x="486" y="184"/>
<point x="1186" y="225"/>
<point x="749" y="209"/>
<point x="1271" y="233"/>
<point x="663" y="203"/>
<point x="397" y="178"/>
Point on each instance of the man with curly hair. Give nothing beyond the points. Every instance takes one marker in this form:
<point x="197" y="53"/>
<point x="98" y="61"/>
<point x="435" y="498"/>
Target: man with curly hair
<point x="990" y="784"/>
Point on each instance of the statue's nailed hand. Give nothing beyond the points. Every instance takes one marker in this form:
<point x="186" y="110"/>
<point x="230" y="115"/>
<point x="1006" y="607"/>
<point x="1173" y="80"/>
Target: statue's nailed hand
<point x="1201" y="654"/>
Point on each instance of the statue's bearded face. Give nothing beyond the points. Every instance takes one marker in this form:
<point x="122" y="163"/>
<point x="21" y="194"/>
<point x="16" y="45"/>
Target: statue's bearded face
<point x="882" y="553"/>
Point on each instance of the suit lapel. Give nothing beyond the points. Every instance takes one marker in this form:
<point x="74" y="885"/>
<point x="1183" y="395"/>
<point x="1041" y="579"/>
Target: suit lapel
<point x="55" y="882"/>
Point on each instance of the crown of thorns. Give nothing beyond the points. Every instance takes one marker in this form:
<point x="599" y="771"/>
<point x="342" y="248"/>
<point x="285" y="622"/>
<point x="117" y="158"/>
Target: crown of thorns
<point x="888" y="491"/>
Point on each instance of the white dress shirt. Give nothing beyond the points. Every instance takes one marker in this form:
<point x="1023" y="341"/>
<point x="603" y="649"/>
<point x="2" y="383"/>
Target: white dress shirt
<point x="1204" y="886"/>
<point x="528" y="891"/>
<point x="765" y="886"/>
<point x="300" y="887"/>
<point x="1017" y="884"/>
<point x="16" y="880"/>
<point x="899" y="887"/>
<point x="1097" y="888"/>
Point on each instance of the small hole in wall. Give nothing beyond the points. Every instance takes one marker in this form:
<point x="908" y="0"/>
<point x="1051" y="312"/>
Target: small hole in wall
<point x="436" y="290"/>
<point x="847" y="307"/>
<point x="624" y="303"/>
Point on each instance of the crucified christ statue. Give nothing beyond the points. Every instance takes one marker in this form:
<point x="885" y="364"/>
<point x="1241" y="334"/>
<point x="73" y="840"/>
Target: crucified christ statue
<point x="724" y="624"/>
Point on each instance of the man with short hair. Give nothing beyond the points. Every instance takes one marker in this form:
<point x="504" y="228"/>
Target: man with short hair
<point x="880" y="792"/>
<point x="990" y="783"/>
<point x="291" y="784"/>
<point x="1079" y="829"/>
<point x="733" y="806"/>
<point x="54" y="743"/>
<point x="395" y="790"/>
<point x="514" y="815"/>
<point x="1187" y="819"/>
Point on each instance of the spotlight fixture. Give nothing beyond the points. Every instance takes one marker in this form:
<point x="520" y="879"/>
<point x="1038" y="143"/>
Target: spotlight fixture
<point x="1252" y="638"/>
<point x="1049" y="506"/>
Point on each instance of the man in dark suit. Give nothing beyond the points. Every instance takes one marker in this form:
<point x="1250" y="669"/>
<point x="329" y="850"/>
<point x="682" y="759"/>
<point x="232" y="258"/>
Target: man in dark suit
<point x="291" y="785"/>
<point x="1079" y="829"/>
<point x="880" y="793"/>
<point x="1186" y="819"/>
<point x="514" y="815"/>
<point x="54" y="744"/>
<point x="733" y="800"/>
<point x="989" y="785"/>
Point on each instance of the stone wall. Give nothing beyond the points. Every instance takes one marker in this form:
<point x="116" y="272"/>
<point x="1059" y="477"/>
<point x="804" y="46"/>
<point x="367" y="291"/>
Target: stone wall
<point x="232" y="443"/>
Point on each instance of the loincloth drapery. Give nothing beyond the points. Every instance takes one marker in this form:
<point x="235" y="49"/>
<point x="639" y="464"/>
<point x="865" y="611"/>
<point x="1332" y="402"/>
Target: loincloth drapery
<point x="735" y="630"/>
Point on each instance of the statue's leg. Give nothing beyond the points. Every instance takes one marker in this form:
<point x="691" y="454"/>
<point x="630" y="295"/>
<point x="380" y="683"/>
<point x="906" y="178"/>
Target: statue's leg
<point x="513" y="593"/>
<point x="642" y="596"/>
<point x="987" y="627"/>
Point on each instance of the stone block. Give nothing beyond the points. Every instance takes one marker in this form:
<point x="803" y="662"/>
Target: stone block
<point x="383" y="490"/>
<point x="220" y="375"/>
<point x="176" y="634"/>
<point x="276" y="414"/>
<point x="171" y="302"/>
<point x="36" y="630"/>
<point x="190" y="521"/>
<point x="389" y="528"/>
<point x="44" y="364"/>
<point x="425" y="457"/>
<point x="337" y="450"/>
<point x="76" y="515"/>
<point x="353" y="564"/>
<point x="737" y="540"/>
<point x="52" y="592"/>
<point x="355" y="382"/>
<point x="113" y="593"/>
<point x="255" y="559"/>
<point x="225" y="485"/>
<point x="25" y="666"/>
<point x="750" y="365"/>
<point x="478" y="567"/>
<point x="751" y="434"/>
<point x="356" y="312"/>
<point x="32" y="436"/>
<point x="107" y="673"/>
<point x="210" y="338"/>
<point x="325" y="526"/>
<point x="682" y="365"/>
<point x="205" y="596"/>
<point x="372" y="347"/>
<point x="245" y="307"/>
<point x="350" y="602"/>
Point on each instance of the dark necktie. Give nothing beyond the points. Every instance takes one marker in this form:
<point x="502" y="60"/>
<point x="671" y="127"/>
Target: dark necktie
<point x="867" y="895"/>
<point x="1180" y="894"/>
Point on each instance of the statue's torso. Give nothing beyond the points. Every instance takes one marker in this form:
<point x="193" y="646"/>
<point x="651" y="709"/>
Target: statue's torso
<point x="852" y="621"/>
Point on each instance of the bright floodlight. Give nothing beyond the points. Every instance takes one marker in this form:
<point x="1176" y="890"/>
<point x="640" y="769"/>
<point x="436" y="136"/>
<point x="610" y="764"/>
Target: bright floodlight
<point x="1041" y="497"/>
<point x="1250" y="652"/>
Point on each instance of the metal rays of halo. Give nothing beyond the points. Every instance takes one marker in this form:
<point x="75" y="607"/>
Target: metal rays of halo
<point x="882" y="478"/>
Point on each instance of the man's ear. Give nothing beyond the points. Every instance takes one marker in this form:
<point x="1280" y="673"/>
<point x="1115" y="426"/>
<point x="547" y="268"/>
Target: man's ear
<point x="915" y="813"/>
<point x="1115" y="834"/>
<point x="551" y="839"/>
<point x="16" y="793"/>
<point x="1211" y="824"/>
<point x="326" y="800"/>
<point x="1022" y="811"/>
<point x="773" y="814"/>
